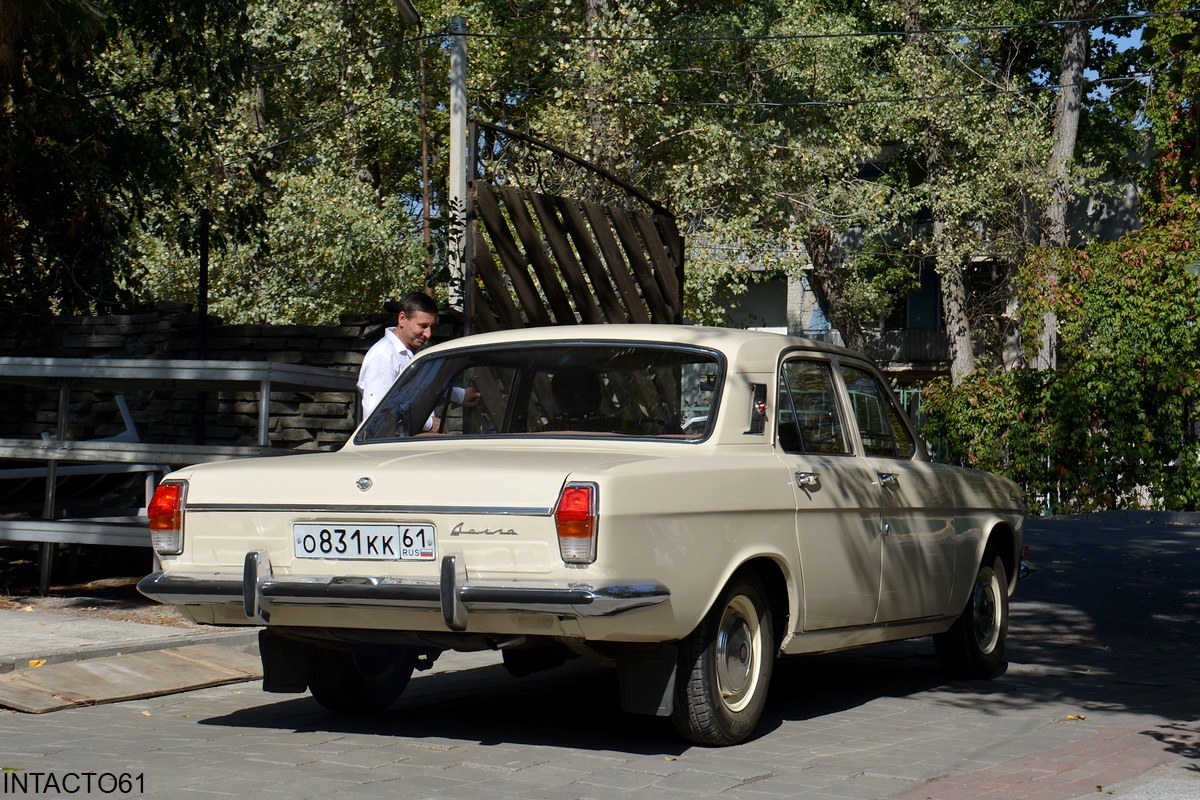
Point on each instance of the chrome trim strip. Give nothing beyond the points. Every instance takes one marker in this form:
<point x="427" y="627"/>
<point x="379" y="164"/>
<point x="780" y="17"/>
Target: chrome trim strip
<point x="189" y="591"/>
<point x="540" y="597"/>
<point x="359" y="509"/>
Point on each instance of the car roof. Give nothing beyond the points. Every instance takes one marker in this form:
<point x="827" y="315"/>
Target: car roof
<point x="738" y="344"/>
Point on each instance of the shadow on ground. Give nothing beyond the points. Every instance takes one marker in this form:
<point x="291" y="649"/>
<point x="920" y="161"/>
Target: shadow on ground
<point x="1108" y="622"/>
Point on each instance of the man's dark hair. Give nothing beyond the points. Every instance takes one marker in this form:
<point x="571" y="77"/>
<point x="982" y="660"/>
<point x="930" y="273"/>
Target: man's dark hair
<point x="418" y="301"/>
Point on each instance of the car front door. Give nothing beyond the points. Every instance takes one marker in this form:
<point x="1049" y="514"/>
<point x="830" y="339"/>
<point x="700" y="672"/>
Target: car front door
<point x="837" y="499"/>
<point x="919" y="535"/>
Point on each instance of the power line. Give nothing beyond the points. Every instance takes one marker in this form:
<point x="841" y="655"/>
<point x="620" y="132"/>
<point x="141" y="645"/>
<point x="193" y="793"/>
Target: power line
<point x="846" y="102"/>
<point x="1092" y="21"/>
<point x="353" y="52"/>
<point x="442" y="34"/>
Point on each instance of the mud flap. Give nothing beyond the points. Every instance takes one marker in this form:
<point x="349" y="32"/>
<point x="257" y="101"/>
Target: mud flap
<point x="285" y="662"/>
<point x="647" y="676"/>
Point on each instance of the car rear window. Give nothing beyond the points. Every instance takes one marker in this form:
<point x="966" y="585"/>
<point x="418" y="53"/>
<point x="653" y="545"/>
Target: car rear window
<point x="558" y="389"/>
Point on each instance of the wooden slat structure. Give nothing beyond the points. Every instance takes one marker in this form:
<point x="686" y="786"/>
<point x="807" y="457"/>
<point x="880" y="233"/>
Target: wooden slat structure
<point x="537" y="258"/>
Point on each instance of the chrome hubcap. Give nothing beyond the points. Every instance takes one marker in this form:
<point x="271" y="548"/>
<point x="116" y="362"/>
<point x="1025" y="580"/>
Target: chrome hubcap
<point x="738" y="648"/>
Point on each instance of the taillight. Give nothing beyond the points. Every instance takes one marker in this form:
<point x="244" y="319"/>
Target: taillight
<point x="575" y="519"/>
<point x="166" y="517"/>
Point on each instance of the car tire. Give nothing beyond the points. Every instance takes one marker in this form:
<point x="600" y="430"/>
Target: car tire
<point x="725" y="667"/>
<point x="357" y="683"/>
<point x="974" y="645"/>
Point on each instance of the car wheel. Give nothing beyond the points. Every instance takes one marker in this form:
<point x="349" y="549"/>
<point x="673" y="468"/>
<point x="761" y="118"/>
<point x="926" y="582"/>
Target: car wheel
<point x="974" y="645"/>
<point x="725" y="667"/>
<point x="357" y="683"/>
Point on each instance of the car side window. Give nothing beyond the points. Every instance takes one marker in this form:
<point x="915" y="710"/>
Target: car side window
<point x="879" y="424"/>
<point x="808" y="417"/>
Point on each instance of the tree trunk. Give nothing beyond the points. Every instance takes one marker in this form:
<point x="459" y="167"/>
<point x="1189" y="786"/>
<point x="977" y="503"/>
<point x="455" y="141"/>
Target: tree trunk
<point x="1062" y="158"/>
<point x="826" y="283"/>
<point x="958" y="327"/>
<point x="1066" y="126"/>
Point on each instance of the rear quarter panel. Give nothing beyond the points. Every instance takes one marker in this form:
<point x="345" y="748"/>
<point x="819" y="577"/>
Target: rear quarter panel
<point x="988" y="509"/>
<point x="692" y="522"/>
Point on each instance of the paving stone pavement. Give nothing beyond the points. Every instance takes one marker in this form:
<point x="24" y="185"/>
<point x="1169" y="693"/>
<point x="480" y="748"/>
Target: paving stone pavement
<point x="1087" y="708"/>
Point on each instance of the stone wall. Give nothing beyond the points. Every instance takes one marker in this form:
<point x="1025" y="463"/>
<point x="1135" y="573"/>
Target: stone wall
<point x="314" y="420"/>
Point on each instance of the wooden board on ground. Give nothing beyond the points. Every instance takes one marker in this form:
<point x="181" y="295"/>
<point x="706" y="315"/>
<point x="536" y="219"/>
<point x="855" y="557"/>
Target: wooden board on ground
<point x="129" y="676"/>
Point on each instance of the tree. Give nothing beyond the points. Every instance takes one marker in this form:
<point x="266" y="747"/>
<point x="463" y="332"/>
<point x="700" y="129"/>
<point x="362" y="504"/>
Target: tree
<point x="788" y="138"/>
<point x="100" y="104"/>
<point x="742" y="119"/>
<point x="935" y="155"/>
<point x="314" y="182"/>
<point x="1078" y="113"/>
<point x="968" y="150"/>
<point x="1116" y="425"/>
<point x="1173" y="109"/>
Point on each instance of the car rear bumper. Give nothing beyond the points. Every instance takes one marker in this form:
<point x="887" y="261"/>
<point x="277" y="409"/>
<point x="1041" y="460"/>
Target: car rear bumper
<point x="260" y="591"/>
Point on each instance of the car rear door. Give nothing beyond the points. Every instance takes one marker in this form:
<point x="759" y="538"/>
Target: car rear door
<point x="837" y="496"/>
<point x="919" y="533"/>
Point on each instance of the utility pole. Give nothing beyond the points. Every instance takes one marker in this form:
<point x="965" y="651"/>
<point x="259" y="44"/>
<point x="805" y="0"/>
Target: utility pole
<point x="426" y="204"/>
<point x="458" y="159"/>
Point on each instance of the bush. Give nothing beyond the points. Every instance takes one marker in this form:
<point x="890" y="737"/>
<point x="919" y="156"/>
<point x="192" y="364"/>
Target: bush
<point x="1116" y="425"/>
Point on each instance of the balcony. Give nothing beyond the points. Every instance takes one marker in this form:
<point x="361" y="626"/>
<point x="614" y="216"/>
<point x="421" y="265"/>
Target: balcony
<point x="921" y="349"/>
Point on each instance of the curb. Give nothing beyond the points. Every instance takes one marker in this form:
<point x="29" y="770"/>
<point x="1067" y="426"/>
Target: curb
<point x="1130" y="516"/>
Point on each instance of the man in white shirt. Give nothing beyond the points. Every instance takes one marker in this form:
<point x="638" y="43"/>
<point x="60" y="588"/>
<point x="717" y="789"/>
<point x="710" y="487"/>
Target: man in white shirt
<point x="391" y="354"/>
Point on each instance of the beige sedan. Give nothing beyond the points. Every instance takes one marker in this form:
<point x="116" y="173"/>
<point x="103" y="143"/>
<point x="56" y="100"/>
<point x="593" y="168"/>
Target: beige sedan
<point x="686" y="504"/>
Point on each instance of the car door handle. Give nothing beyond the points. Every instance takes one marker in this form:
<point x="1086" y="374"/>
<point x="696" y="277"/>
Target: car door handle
<point x="808" y="478"/>
<point x="888" y="478"/>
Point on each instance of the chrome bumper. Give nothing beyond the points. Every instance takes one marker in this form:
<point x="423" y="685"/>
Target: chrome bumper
<point x="260" y="591"/>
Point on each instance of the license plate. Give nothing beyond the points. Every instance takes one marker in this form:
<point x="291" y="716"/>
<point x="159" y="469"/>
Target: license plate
<point x="364" y="542"/>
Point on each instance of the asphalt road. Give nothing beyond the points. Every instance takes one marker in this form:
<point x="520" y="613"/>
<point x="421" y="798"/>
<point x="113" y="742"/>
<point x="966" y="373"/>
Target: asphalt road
<point x="1101" y="698"/>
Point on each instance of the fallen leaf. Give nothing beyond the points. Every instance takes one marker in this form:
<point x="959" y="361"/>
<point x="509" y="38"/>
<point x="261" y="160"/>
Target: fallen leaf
<point x="1076" y="716"/>
<point x="145" y="713"/>
<point x="36" y="662"/>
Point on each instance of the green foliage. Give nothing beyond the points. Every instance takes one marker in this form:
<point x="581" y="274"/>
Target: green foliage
<point x="995" y="421"/>
<point x="1173" y="109"/>
<point x="100" y="105"/>
<point x="1116" y="427"/>
<point x="313" y="185"/>
<point x="767" y="127"/>
<point x="334" y="245"/>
